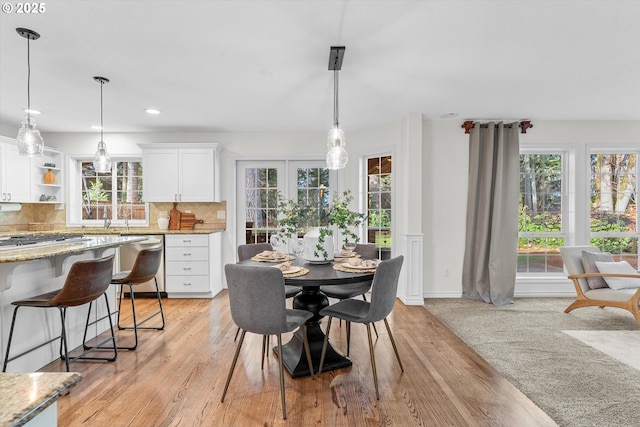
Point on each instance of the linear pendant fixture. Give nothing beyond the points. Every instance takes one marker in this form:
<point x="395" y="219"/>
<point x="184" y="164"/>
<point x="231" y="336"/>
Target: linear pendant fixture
<point x="337" y="157"/>
<point x="30" y="142"/>
<point x="102" y="160"/>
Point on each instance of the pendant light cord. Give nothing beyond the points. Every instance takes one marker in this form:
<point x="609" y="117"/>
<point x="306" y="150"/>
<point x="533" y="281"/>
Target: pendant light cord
<point x="101" y="124"/>
<point x="335" y="98"/>
<point x="28" y="76"/>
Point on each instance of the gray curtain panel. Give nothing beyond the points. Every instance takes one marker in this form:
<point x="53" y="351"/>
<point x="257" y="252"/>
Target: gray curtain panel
<point x="489" y="270"/>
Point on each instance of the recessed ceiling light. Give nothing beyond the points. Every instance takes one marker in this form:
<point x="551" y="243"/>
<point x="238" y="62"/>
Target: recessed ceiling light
<point x="32" y="111"/>
<point x="152" y="111"/>
<point x="449" y="115"/>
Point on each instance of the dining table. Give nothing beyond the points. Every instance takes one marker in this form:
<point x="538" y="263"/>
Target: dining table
<point x="312" y="299"/>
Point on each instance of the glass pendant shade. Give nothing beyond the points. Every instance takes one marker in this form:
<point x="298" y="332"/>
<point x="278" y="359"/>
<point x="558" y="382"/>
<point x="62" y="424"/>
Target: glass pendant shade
<point x="30" y="142"/>
<point x="337" y="157"/>
<point x="102" y="160"/>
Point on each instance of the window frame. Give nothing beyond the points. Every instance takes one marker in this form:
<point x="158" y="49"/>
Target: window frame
<point x="74" y="198"/>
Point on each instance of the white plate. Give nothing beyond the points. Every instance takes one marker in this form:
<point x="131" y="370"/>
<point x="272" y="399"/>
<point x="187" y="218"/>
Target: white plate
<point x="292" y="270"/>
<point x="358" y="267"/>
<point x="319" y="261"/>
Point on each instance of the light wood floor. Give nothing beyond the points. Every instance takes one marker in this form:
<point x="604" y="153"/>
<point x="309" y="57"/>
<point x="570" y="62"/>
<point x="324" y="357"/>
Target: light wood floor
<point x="176" y="378"/>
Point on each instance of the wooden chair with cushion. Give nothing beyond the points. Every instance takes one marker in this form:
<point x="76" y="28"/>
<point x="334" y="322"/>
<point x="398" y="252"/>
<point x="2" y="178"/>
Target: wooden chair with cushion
<point x="591" y="287"/>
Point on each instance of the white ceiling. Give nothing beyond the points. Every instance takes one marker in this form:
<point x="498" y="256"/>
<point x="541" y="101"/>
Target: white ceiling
<point x="218" y="66"/>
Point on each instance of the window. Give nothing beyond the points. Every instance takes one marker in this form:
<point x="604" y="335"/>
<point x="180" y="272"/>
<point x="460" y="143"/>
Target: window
<point x="310" y="182"/>
<point x="540" y="224"/>
<point x="613" y="204"/>
<point x="116" y="196"/>
<point x="592" y="202"/>
<point x="379" y="204"/>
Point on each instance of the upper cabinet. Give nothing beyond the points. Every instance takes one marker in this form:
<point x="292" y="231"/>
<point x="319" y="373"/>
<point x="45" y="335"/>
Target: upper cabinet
<point x="25" y="179"/>
<point x="179" y="172"/>
<point x="15" y="174"/>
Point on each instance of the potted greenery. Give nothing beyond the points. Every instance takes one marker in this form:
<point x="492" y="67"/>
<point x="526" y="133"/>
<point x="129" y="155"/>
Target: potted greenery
<point x="319" y="224"/>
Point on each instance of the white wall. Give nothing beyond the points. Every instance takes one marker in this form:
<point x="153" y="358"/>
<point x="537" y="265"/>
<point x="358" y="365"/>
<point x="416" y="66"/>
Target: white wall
<point x="440" y="216"/>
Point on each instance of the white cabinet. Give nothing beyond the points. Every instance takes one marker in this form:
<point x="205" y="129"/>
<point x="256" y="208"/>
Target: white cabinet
<point x="15" y="174"/>
<point x="192" y="265"/>
<point x="179" y="173"/>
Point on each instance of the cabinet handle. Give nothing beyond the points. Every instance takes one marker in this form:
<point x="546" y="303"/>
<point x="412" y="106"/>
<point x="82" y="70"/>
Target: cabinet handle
<point x="186" y="241"/>
<point x="187" y="284"/>
<point x="186" y="254"/>
<point x="175" y="197"/>
<point x="9" y="199"/>
<point x="187" y="268"/>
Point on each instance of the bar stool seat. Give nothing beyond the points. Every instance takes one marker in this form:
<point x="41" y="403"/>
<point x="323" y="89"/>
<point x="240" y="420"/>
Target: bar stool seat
<point x="145" y="268"/>
<point x="87" y="281"/>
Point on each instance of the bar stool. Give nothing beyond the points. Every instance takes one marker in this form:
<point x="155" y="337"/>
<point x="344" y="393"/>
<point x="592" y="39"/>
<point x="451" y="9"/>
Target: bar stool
<point x="144" y="269"/>
<point x="86" y="282"/>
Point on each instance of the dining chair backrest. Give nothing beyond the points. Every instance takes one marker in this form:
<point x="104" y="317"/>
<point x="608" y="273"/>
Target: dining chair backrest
<point x="250" y="250"/>
<point x="367" y="250"/>
<point x="86" y="281"/>
<point x="256" y="298"/>
<point x="384" y="289"/>
<point x="145" y="266"/>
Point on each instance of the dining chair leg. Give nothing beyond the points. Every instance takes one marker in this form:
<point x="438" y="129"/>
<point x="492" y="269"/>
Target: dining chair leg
<point x="348" y="337"/>
<point x="233" y="365"/>
<point x="324" y="345"/>
<point x="393" y="343"/>
<point x="63" y="312"/>
<point x="236" y="337"/>
<point x="264" y="349"/>
<point x="284" y="404"/>
<point x="364" y="297"/>
<point x="373" y="361"/>
<point x="305" y="342"/>
<point x="13" y="323"/>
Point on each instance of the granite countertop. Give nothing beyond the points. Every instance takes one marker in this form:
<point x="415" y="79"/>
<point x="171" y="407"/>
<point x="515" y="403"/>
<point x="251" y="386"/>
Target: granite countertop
<point x="116" y="231"/>
<point x="25" y="395"/>
<point x="87" y="243"/>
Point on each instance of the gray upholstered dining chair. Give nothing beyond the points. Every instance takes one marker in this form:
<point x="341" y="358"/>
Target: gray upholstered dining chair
<point x="250" y="250"/>
<point x="383" y="297"/>
<point x="257" y="304"/>
<point x="341" y="292"/>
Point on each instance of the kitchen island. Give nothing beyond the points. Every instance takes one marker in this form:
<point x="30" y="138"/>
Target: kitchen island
<point x="31" y="270"/>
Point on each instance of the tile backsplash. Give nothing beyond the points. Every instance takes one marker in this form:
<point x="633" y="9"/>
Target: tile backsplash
<point x="48" y="214"/>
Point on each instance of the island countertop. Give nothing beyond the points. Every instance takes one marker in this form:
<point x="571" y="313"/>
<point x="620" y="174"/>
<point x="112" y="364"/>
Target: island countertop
<point x="87" y="243"/>
<point x="24" y="395"/>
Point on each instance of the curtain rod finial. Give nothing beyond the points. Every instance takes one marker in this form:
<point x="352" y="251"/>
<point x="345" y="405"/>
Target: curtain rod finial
<point x="524" y="125"/>
<point x="467" y="126"/>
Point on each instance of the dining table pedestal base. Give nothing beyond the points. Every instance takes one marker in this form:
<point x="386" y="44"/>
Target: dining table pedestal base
<point x="295" y="360"/>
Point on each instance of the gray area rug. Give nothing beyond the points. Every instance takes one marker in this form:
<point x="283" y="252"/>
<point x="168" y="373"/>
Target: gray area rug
<point x="576" y="384"/>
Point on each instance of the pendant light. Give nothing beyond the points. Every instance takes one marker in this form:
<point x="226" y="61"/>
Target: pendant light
<point x="336" y="155"/>
<point x="101" y="161"/>
<point x="30" y="142"/>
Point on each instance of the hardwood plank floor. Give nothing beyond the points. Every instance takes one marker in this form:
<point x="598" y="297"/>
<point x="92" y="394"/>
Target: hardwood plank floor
<point x="176" y="378"/>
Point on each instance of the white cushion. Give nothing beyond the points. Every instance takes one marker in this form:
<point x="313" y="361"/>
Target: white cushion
<point x="622" y="267"/>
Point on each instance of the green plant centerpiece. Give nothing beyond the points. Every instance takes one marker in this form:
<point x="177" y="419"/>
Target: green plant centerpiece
<point x="319" y="222"/>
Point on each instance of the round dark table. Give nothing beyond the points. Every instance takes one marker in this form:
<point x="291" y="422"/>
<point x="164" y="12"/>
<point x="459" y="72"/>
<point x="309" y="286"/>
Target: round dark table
<point x="312" y="299"/>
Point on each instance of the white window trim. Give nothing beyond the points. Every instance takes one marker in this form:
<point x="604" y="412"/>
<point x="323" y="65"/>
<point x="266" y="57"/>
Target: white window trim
<point x="74" y="195"/>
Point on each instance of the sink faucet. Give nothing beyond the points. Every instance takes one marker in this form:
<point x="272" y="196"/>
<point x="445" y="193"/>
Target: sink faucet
<point x="107" y="221"/>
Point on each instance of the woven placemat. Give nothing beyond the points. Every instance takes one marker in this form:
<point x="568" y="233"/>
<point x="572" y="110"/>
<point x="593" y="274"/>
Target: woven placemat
<point x="288" y="258"/>
<point x="341" y="267"/>
<point x="302" y="272"/>
<point x="344" y="258"/>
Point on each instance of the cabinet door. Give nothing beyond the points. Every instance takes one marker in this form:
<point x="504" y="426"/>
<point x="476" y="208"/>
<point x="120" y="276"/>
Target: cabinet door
<point x="16" y="175"/>
<point x="161" y="175"/>
<point x="197" y="175"/>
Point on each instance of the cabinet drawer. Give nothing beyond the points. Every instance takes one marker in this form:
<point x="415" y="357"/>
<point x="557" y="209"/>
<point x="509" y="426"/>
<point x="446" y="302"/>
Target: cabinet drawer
<point x="196" y="253"/>
<point x="187" y="284"/>
<point x="181" y="268"/>
<point x="187" y="240"/>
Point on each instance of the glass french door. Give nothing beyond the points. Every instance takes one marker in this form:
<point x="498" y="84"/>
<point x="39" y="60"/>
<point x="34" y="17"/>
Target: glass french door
<point x="259" y="183"/>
